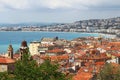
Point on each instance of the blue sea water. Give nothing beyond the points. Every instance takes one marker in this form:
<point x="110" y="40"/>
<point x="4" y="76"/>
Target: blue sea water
<point x="15" y="38"/>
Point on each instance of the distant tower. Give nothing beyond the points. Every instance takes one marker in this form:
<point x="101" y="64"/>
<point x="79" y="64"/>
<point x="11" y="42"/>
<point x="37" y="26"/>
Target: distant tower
<point x="24" y="48"/>
<point x="56" y="38"/>
<point x="10" y="52"/>
<point x="100" y="39"/>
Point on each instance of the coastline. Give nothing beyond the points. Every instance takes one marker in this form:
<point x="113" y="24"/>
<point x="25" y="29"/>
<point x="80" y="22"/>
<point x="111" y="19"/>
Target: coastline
<point x="15" y="38"/>
<point x="108" y="35"/>
<point x="65" y="32"/>
<point x="103" y="34"/>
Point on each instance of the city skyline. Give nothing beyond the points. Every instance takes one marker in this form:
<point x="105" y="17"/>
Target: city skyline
<point x="14" y="11"/>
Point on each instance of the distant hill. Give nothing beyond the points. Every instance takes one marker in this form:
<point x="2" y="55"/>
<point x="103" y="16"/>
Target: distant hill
<point x="25" y="24"/>
<point x="99" y="23"/>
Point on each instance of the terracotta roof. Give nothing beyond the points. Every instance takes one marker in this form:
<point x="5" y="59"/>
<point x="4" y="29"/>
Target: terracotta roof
<point x="55" y="50"/>
<point x="60" y="57"/>
<point x="88" y="63"/>
<point x="6" y="60"/>
<point x="115" y="64"/>
<point x="114" y="43"/>
<point x="63" y="57"/>
<point x="16" y="56"/>
<point x="117" y="55"/>
<point x="83" y="76"/>
<point x="86" y="69"/>
<point x="115" y="68"/>
<point x="94" y="57"/>
<point x="100" y="63"/>
<point x="82" y="52"/>
<point x="1" y="56"/>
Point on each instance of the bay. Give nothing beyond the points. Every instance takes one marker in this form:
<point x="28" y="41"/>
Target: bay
<point x="15" y="37"/>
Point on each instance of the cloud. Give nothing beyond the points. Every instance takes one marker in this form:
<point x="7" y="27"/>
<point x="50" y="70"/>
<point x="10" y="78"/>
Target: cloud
<point x="58" y="4"/>
<point x="15" y="4"/>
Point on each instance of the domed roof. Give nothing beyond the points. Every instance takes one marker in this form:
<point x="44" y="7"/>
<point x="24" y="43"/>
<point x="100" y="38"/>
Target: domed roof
<point x="10" y="47"/>
<point x="24" y="44"/>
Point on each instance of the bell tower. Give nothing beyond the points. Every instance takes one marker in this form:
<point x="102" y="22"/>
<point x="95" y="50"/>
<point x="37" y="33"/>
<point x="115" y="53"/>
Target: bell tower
<point x="24" y="48"/>
<point x="10" y="51"/>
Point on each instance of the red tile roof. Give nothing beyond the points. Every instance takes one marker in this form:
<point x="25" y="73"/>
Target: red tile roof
<point x="6" y="60"/>
<point x="117" y="55"/>
<point x="94" y="58"/>
<point x="83" y="76"/>
<point x="100" y="63"/>
<point x="55" y="50"/>
<point x="60" y="57"/>
<point x="115" y="43"/>
<point x="16" y="56"/>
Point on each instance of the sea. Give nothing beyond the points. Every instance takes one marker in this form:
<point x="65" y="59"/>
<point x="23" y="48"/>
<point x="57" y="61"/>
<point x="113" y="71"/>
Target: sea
<point x="16" y="37"/>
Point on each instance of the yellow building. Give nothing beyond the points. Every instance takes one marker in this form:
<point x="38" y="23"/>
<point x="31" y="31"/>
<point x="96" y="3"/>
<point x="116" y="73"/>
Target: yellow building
<point x="33" y="47"/>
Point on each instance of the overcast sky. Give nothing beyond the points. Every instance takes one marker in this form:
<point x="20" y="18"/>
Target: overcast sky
<point x="17" y="11"/>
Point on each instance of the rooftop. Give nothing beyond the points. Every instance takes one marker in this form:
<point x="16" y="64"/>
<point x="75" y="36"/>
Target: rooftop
<point x="6" y="61"/>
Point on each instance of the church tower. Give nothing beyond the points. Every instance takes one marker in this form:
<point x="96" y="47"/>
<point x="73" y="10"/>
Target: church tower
<point x="10" y="52"/>
<point x="24" y="48"/>
<point x="100" y="40"/>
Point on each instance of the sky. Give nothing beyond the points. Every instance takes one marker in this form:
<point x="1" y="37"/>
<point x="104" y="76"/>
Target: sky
<point x="59" y="11"/>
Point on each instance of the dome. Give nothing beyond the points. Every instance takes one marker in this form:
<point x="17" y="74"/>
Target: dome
<point x="24" y="44"/>
<point x="10" y="48"/>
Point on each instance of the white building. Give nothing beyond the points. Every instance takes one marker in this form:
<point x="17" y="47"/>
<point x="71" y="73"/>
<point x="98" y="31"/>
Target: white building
<point x="47" y="41"/>
<point x="33" y="47"/>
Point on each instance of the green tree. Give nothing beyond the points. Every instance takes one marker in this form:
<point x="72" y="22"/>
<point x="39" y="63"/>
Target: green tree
<point x="27" y="69"/>
<point x="109" y="72"/>
<point x="5" y="76"/>
<point x="50" y="71"/>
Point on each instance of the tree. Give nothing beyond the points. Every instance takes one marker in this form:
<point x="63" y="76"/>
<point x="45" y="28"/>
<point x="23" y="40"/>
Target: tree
<point x="27" y="69"/>
<point x="50" y="71"/>
<point x="6" y="76"/>
<point x="109" y="72"/>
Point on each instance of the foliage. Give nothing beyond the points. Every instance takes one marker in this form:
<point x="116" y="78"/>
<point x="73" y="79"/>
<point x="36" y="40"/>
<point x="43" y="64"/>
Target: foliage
<point x="109" y="72"/>
<point x="27" y="69"/>
<point x="5" y="76"/>
<point x="49" y="71"/>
